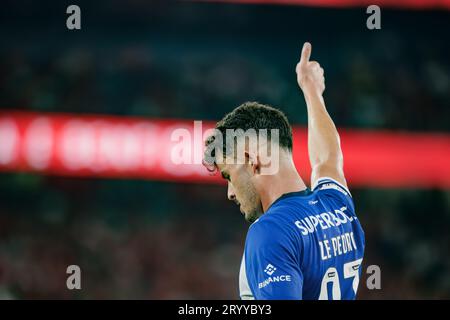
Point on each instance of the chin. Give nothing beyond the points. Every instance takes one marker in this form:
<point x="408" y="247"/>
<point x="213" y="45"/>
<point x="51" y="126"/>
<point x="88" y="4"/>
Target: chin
<point x="251" y="217"/>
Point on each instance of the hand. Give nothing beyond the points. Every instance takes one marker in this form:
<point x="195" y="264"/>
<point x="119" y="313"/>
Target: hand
<point x="309" y="73"/>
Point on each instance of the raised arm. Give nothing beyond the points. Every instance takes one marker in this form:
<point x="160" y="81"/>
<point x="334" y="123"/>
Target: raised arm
<point x="324" y="147"/>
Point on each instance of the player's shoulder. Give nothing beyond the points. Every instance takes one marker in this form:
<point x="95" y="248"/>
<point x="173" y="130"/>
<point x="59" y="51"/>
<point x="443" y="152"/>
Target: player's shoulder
<point x="333" y="195"/>
<point x="278" y="218"/>
<point x="265" y="223"/>
<point x="269" y="228"/>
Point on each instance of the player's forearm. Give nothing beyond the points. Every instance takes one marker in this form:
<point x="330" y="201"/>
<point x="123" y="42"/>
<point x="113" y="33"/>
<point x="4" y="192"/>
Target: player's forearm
<point x="323" y="139"/>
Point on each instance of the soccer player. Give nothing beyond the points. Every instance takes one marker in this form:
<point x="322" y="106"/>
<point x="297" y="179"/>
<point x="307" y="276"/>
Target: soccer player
<point x="303" y="243"/>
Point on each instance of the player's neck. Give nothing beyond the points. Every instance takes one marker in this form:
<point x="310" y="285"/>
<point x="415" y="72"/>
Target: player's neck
<point x="285" y="181"/>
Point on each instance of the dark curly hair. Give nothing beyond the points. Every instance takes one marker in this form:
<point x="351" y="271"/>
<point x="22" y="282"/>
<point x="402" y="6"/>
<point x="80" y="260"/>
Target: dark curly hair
<point x="249" y="115"/>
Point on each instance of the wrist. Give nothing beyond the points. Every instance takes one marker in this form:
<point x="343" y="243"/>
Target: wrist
<point x="312" y="94"/>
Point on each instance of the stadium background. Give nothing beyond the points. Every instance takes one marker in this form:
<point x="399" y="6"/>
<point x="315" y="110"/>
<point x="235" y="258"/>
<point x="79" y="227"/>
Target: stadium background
<point x="155" y="239"/>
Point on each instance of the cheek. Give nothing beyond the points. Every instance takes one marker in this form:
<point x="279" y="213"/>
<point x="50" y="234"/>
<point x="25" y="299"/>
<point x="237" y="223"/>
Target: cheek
<point x="245" y="189"/>
<point x="242" y="184"/>
<point x="239" y="188"/>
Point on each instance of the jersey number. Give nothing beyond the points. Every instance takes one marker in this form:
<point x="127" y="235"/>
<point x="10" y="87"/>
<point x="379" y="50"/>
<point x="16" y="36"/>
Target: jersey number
<point x="351" y="270"/>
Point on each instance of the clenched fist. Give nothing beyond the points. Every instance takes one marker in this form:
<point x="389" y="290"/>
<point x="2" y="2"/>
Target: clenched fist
<point x="309" y="73"/>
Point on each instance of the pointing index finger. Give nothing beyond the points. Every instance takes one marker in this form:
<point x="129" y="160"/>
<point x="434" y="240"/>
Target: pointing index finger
<point x="306" y="53"/>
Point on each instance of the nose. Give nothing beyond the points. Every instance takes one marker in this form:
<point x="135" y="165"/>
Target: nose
<point x="230" y="193"/>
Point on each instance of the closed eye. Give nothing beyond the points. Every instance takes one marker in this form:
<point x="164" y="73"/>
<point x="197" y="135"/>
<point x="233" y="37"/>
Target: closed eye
<point x="225" y="175"/>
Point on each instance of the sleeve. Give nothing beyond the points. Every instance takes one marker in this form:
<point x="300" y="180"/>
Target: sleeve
<point x="335" y="191"/>
<point x="272" y="269"/>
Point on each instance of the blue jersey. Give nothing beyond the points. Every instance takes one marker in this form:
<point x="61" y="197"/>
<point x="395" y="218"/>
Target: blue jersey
<point x="307" y="245"/>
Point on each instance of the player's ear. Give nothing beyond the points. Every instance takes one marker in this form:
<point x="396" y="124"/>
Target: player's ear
<point x="254" y="161"/>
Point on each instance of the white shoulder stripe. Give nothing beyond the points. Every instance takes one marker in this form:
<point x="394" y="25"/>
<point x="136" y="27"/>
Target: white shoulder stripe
<point x="322" y="180"/>
<point x="244" y="289"/>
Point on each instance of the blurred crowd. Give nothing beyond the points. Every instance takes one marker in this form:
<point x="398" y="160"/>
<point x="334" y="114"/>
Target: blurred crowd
<point x="188" y="244"/>
<point x="128" y="247"/>
<point x="142" y="80"/>
<point x="146" y="239"/>
<point x="178" y="63"/>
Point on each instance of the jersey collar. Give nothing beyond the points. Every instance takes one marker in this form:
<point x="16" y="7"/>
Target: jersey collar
<point x="303" y="193"/>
